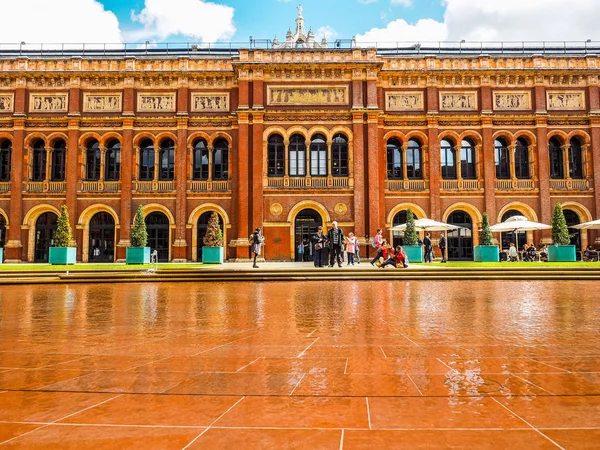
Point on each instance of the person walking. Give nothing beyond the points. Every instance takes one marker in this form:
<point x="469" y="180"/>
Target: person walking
<point x="319" y="240"/>
<point x="335" y="237"/>
<point x="350" y="248"/>
<point x="442" y="246"/>
<point x="427" y="246"/>
<point x="377" y="244"/>
<point x="256" y="244"/>
<point x="357" y="252"/>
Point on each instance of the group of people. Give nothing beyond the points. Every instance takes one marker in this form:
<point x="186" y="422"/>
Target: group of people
<point x="387" y="255"/>
<point x="528" y="254"/>
<point x="334" y="244"/>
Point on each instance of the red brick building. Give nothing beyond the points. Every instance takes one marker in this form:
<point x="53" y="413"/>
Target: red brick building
<point x="289" y="138"/>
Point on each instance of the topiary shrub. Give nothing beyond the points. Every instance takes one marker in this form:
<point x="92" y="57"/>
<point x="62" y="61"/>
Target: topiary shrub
<point x="410" y="234"/>
<point x="139" y="235"/>
<point x="214" y="235"/>
<point x="560" y="232"/>
<point x="63" y="234"/>
<point x="486" y="234"/>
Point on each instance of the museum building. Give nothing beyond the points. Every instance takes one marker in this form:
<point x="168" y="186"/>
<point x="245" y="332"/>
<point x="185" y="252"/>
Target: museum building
<point x="288" y="137"/>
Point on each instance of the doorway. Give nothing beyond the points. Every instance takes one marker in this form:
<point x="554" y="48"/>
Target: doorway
<point x="460" y="241"/>
<point x="45" y="227"/>
<point x="202" y="225"/>
<point x="509" y="236"/>
<point x="572" y="218"/>
<point x="102" y="238"/>
<point x="158" y="227"/>
<point x="305" y="227"/>
<point x="398" y="236"/>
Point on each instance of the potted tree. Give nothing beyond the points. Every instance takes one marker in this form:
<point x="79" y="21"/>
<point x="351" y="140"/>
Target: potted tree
<point x="212" y="252"/>
<point x="487" y="251"/>
<point x="411" y="247"/>
<point x="561" y="250"/>
<point x="138" y="253"/>
<point x="61" y="252"/>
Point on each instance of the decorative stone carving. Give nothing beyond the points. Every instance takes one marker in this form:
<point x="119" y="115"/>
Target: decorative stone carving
<point x="156" y="102"/>
<point x="6" y="103"/>
<point x="276" y="209"/>
<point x="340" y="209"/>
<point x="404" y="101"/>
<point x="102" y="103"/>
<point x="210" y="102"/>
<point x="307" y="95"/>
<point x="512" y="101"/>
<point x="565" y="100"/>
<point x="48" y="102"/>
<point x="458" y="101"/>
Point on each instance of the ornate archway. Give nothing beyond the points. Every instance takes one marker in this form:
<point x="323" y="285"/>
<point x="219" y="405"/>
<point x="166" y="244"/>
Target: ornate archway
<point x="84" y="224"/>
<point x="193" y="224"/>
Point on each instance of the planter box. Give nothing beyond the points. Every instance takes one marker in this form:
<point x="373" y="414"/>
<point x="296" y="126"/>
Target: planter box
<point x="212" y="255"/>
<point x="1" y="255"/>
<point x="486" y="253"/>
<point x="62" y="255"/>
<point x="137" y="255"/>
<point x="414" y="253"/>
<point x="561" y="253"/>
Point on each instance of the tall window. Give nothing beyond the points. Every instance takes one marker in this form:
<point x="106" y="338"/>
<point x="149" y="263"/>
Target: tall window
<point x="58" y="160"/>
<point x="413" y="160"/>
<point x="112" y="166"/>
<point x="5" y="157"/>
<point x="200" y="160"/>
<point x="275" y="156"/>
<point x="318" y="156"/>
<point x="166" y="160"/>
<point x="467" y="160"/>
<point x="557" y="169"/>
<point x="147" y="160"/>
<point x="522" y="160"/>
<point x="297" y="156"/>
<point x="575" y="159"/>
<point x="38" y="164"/>
<point x="92" y="161"/>
<point x="394" y="160"/>
<point x="448" y="159"/>
<point x="339" y="156"/>
<point x="221" y="160"/>
<point x="502" y="158"/>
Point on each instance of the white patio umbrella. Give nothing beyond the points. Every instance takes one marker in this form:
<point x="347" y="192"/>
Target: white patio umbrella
<point x="518" y="223"/>
<point x="428" y="225"/>
<point x="593" y="225"/>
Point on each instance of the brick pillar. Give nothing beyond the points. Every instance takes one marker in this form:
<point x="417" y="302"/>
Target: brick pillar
<point x="359" y="175"/>
<point x="126" y="185"/>
<point x="373" y="162"/>
<point x="180" y="244"/>
<point x="372" y="94"/>
<point x="241" y="190"/>
<point x="595" y="163"/>
<point x="258" y="90"/>
<point x="357" y="94"/>
<point x="489" y="170"/>
<point x="72" y="176"/>
<point x="257" y="172"/>
<point x="435" y="172"/>
<point x="13" y="245"/>
<point x="544" y="174"/>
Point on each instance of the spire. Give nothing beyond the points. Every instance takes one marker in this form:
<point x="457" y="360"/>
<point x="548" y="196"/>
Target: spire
<point x="299" y="38"/>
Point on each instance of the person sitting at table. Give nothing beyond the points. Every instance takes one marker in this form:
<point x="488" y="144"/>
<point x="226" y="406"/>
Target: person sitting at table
<point x="513" y="254"/>
<point x="530" y="254"/>
<point x="544" y="253"/>
<point x="590" y="254"/>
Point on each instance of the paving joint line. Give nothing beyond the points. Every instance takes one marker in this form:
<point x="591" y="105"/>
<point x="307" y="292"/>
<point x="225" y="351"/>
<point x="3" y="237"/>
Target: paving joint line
<point x="306" y="349"/>
<point x="241" y="368"/>
<point x="342" y="440"/>
<point x="368" y="412"/>
<point x="297" y="384"/>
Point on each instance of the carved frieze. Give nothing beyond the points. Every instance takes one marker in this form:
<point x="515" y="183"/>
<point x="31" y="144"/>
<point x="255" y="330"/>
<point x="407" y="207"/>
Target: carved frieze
<point x="513" y="123"/>
<point x="565" y="100"/>
<point x="307" y="95"/>
<point x="102" y="102"/>
<point x="213" y="102"/>
<point x="300" y="118"/>
<point x="404" y="101"/>
<point x="458" y="101"/>
<point x="149" y="102"/>
<point x="6" y="103"/>
<point x="405" y="123"/>
<point x="101" y="124"/>
<point x="512" y="101"/>
<point x="209" y="124"/>
<point x="48" y="103"/>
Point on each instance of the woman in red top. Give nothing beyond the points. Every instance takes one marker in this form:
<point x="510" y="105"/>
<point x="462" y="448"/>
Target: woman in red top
<point x="396" y="259"/>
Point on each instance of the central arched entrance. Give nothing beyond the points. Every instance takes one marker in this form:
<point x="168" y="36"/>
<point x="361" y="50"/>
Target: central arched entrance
<point x="509" y="236"/>
<point x="102" y="238"/>
<point x="305" y="227"/>
<point x="158" y="227"/>
<point x="202" y="225"/>
<point x="460" y="241"/>
<point x="572" y="218"/>
<point x="398" y="236"/>
<point x="45" y="226"/>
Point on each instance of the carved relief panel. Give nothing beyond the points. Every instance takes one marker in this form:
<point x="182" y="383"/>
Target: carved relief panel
<point x="149" y="102"/>
<point x="512" y="101"/>
<point x="210" y="102"/>
<point x="458" y="101"/>
<point x="404" y="101"/>
<point x="48" y="103"/>
<point x="102" y="102"/>
<point x="307" y="95"/>
<point x="6" y="102"/>
<point x="565" y="100"/>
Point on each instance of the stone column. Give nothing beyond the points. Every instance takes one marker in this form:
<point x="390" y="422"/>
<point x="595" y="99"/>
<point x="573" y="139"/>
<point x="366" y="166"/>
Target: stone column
<point x="13" y="245"/>
<point x="404" y="149"/>
<point x="126" y="188"/>
<point x="257" y="172"/>
<point x="434" y="169"/>
<point x="513" y="170"/>
<point x="102" y="164"/>
<point x="373" y="163"/>
<point x="458" y="160"/>
<point x="359" y="175"/>
<point x="241" y="190"/>
<point x="180" y="253"/>
<point x="71" y="175"/>
<point x="566" y="162"/>
<point x="489" y="170"/>
<point x="544" y="174"/>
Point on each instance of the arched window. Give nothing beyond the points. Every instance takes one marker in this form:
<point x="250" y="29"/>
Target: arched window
<point x="339" y="156"/>
<point x="38" y="163"/>
<point x="502" y="158"/>
<point x="297" y="156"/>
<point x="394" y="160"/>
<point x="166" y="160"/>
<point x="413" y="160"/>
<point x="112" y="166"/>
<point x="147" y="160"/>
<point x="221" y="160"/>
<point x="448" y="159"/>
<point x="275" y="156"/>
<point x="5" y="157"/>
<point x="522" y="160"/>
<point x="575" y="159"/>
<point x="467" y="160"/>
<point x="58" y="160"/>
<point x="557" y="169"/>
<point x="318" y="156"/>
<point x="92" y="160"/>
<point x="200" y="160"/>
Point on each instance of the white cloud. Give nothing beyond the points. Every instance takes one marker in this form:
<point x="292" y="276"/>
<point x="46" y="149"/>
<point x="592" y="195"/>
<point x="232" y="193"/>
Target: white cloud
<point x="58" y="21"/>
<point x="402" y="2"/>
<point x="206" y="21"/>
<point x="327" y="32"/>
<point x="366" y="2"/>
<point x="401" y="31"/>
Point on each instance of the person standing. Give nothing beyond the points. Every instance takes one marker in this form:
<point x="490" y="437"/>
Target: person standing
<point x="319" y="241"/>
<point x="350" y="248"/>
<point x="442" y="245"/>
<point x="427" y="247"/>
<point x="256" y="245"/>
<point x="357" y="252"/>
<point x="377" y="244"/>
<point x="335" y="236"/>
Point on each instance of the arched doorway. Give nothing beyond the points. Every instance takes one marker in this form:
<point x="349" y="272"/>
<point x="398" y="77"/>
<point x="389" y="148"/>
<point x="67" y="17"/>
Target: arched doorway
<point x="398" y="236"/>
<point x="158" y="227"/>
<point x="102" y="238"/>
<point x="572" y="218"/>
<point x="202" y="225"/>
<point x="460" y="241"/>
<point x="509" y="236"/>
<point x="305" y="227"/>
<point x="45" y="226"/>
